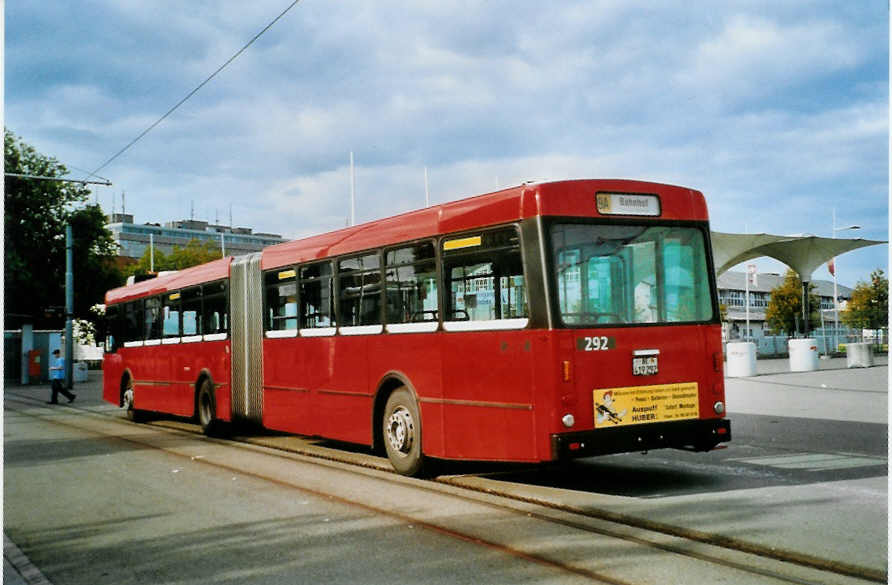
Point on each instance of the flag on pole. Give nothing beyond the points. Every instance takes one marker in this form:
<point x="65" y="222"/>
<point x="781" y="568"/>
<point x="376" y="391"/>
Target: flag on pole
<point x="831" y="267"/>
<point x="752" y="274"/>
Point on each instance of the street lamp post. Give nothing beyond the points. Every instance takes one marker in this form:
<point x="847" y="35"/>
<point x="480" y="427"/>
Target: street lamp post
<point x="835" y="270"/>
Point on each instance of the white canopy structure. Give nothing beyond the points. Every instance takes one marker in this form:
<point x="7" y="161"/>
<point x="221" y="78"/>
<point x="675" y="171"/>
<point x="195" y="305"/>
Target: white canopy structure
<point x="801" y="253"/>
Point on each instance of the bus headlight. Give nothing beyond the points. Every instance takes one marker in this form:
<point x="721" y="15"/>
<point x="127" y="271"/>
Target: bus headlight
<point x="569" y="420"/>
<point x="719" y="407"/>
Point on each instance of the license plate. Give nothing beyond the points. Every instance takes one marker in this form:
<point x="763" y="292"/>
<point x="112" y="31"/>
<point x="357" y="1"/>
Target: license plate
<point x="644" y="366"/>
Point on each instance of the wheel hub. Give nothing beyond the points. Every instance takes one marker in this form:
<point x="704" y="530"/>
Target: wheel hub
<point x="401" y="430"/>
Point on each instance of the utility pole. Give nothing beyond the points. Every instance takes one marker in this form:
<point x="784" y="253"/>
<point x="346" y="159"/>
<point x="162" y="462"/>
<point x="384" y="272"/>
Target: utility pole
<point x="69" y="307"/>
<point x="352" y="192"/>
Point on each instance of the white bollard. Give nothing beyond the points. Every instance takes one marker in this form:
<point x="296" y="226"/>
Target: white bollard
<point x="803" y="354"/>
<point x="741" y="359"/>
<point x="859" y="355"/>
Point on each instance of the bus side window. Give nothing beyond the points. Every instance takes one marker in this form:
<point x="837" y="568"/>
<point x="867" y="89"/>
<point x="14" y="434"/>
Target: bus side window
<point x="133" y="321"/>
<point x="484" y="277"/>
<point x="152" y="317"/>
<point x="215" y="318"/>
<point x="113" y="321"/>
<point x="171" y="315"/>
<point x="411" y="284"/>
<point x="191" y="311"/>
<point x="281" y="299"/>
<point x="359" y="281"/>
<point x="316" y="306"/>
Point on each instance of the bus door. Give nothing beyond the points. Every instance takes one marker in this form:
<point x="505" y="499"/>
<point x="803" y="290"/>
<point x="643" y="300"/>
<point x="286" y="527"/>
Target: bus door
<point x="180" y="358"/>
<point x="488" y="365"/>
<point x="153" y="384"/>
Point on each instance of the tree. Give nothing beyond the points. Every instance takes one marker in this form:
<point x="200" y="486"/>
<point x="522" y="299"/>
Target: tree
<point x="869" y="305"/>
<point x="784" y="311"/>
<point x="191" y="254"/>
<point x="35" y="215"/>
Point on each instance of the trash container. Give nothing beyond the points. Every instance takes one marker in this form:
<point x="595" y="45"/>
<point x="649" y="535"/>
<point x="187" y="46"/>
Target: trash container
<point x="741" y="359"/>
<point x="859" y="355"/>
<point x="803" y="354"/>
<point x="80" y="371"/>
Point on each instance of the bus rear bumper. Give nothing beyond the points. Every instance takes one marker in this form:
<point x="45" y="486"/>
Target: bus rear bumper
<point x="693" y="435"/>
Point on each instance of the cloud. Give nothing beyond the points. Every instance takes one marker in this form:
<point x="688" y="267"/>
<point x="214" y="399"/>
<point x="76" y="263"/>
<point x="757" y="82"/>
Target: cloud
<point x="754" y="56"/>
<point x="772" y="109"/>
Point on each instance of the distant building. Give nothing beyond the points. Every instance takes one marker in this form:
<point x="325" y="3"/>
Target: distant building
<point x="732" y="294"/>
<point x="134" y="239"/>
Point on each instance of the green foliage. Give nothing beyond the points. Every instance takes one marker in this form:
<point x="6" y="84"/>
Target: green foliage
<point x="192" y="254"/>
<point x="784" y="309"/>
<point x="35" y="214"/>
<point x="869" y="305"/>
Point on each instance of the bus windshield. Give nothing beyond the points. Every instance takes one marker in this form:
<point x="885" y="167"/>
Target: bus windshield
<point x="631" y="274"/>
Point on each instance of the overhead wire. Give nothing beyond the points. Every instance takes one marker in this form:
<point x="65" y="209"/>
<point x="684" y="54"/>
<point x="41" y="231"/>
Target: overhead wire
<point x="194" y="91"/>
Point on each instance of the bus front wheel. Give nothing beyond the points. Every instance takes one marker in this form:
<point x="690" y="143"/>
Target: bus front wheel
<point x="133" y="414"/>
<point x="402" y="433"/>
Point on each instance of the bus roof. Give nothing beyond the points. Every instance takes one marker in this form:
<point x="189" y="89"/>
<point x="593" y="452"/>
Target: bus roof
<point x="559" y="198"/>
<point x="574" y="198"/>
<point x="208" y="272"/>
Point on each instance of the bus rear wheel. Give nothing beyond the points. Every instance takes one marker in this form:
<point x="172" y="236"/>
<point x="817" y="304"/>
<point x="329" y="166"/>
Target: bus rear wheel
<point x="207" y="408"/>
<point x="401" y="428"/>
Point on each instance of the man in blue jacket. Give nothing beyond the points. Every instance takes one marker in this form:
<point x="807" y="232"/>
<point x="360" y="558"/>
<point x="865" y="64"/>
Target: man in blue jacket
<point x="57" y="376"/>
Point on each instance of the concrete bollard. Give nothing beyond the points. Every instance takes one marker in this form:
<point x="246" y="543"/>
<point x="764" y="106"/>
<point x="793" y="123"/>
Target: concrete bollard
<point x="741" y="359"/>
<point x="803" y="354"/>
<point x="859" y="355"/>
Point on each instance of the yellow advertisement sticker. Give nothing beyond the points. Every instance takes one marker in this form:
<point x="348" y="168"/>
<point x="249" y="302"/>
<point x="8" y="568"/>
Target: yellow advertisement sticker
<point x="635" y="405"/>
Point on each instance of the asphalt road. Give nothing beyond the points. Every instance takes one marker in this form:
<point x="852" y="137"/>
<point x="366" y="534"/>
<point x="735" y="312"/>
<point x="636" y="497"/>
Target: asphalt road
<point x="806" y="472"/>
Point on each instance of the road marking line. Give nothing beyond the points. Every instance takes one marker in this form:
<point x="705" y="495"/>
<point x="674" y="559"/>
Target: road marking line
<point x="814" y="461"/>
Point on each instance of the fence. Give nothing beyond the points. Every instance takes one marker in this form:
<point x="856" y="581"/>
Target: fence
<point x="830" y="341"/>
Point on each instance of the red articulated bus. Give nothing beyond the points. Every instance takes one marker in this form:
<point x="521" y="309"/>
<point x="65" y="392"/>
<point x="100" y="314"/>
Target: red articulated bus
<point x="542" y="322"/>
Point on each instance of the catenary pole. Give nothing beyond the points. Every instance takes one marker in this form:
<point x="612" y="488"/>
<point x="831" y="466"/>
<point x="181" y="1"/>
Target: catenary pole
<point x="352" y="192"/>
<point x="69" y="307"/>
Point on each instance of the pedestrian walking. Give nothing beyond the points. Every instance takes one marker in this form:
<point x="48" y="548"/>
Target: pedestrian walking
<point x="57" y="375"/>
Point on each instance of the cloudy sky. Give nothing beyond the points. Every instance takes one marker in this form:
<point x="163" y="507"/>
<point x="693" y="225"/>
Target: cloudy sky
<point x="777" y="111"/>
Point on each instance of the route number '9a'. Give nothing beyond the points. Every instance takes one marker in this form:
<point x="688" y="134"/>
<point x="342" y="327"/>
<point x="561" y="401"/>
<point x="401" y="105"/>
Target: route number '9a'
<point x="595" y="343"/>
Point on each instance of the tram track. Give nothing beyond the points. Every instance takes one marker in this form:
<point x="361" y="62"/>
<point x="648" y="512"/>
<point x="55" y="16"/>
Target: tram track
<point x="699" y="549"/>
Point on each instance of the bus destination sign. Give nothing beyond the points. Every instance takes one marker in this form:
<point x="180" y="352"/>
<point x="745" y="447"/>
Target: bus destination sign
<point x="628" y="204"/>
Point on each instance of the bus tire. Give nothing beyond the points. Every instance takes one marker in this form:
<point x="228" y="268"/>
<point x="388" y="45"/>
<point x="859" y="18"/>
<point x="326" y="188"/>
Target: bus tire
<point x="401" y="430"/>
<point x="206" y="407"/>
<point x="133" y="414"/>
